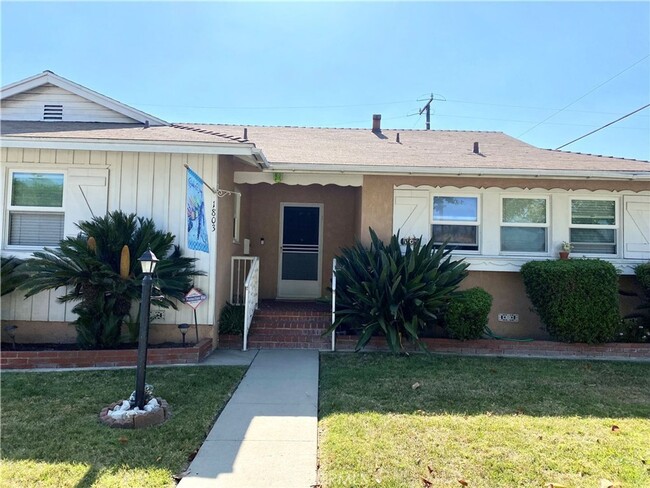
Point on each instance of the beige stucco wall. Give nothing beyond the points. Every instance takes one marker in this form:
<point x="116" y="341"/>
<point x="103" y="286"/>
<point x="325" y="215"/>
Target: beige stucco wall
<point x="506" y="288"/>
<point x="509" y="296"/>
<point x="226" y="246"/>
<point x="339" y="214"/>
<point x="377" y="193"/>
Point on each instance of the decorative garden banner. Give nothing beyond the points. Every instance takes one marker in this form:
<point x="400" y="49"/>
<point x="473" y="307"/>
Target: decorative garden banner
<point x="197" y="233"/>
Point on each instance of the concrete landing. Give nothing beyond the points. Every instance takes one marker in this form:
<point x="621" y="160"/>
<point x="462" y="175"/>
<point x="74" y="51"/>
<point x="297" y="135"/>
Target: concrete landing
<point x="267" y="434"/>
<point x="229" y="357"/>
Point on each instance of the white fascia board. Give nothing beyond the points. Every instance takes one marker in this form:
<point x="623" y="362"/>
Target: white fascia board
<point x="82" y="91"/>
<point x="238" y="149"/>
<point x="20" y="86"/>
<point x="466" y="172"/>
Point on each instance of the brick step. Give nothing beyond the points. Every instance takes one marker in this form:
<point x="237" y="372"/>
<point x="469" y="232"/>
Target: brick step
<point x="290" y="325"/>
<point x="289" y="342"/>
<point x="316" y="325"/>
<point x="282" y="331"/>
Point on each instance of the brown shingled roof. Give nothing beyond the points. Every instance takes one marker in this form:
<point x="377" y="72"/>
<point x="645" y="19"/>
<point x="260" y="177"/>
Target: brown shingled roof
<point x="417" y="148"/>
<point x="113" y="132"/>
<point x="306" y="147"/>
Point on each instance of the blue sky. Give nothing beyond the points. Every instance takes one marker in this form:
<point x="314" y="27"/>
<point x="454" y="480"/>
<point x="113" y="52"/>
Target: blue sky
<point x="500" y="66"/>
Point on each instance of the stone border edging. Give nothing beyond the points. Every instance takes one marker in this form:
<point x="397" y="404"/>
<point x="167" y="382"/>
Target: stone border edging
<point x="499" y="347"/>
<point x="480" y="347"/>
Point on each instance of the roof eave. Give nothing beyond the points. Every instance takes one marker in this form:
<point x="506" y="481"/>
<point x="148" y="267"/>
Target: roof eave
<point x="242" y="150"/>
<point x="464" y="172"/>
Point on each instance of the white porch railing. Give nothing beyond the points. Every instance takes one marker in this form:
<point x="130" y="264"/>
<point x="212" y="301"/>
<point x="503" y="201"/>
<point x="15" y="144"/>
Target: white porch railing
<point x="251" y="297"/>
<point x="239" y="268"/>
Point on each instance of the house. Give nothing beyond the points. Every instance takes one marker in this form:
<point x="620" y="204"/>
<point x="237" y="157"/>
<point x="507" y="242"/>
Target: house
<point x="303" y="193"/>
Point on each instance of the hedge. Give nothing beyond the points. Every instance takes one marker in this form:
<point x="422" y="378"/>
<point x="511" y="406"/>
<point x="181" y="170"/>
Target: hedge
<point x="576" y="299"/>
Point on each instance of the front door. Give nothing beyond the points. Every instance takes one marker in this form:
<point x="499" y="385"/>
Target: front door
<point x="301" y="226"/>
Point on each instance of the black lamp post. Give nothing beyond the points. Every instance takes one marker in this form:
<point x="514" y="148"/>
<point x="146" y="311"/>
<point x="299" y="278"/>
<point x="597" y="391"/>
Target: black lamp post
<point x="148" y="262"/>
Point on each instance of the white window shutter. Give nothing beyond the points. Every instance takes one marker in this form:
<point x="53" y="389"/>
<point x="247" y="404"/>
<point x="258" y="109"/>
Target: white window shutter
<point x="636" y="227"/>
<point x="86" y="190"/>
<point x="411" y="214"/>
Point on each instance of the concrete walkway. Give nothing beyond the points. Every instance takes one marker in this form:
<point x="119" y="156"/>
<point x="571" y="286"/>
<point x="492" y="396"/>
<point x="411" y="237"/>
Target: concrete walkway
<point x="266" y="435"/>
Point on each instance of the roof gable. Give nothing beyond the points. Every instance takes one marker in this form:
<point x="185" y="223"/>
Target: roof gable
<point x="50" y="97"/>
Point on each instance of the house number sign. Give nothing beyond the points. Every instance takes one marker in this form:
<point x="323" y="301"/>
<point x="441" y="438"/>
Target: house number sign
<point x="214" y="215"/>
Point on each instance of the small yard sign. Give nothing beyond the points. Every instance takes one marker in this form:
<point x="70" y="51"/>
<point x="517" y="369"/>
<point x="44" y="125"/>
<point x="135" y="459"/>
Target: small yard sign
<point x="194" y="298"/>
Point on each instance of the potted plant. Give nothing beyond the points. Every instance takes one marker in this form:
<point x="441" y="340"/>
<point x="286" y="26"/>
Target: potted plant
<point x="565" y="249"/>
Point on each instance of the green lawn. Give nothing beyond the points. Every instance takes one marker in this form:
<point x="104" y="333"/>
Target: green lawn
<point x="490" y="422"/>
<point x="51" y="435"/>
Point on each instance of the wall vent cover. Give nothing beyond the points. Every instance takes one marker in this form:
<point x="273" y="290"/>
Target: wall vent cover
<point x="52" y="112"/>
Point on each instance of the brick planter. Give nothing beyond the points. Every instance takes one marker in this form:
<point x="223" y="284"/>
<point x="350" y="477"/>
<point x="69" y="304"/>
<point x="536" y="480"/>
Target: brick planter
<point x="230" y="341"/>
<point x="101" y="358"/>
<point x="492" y="347"/>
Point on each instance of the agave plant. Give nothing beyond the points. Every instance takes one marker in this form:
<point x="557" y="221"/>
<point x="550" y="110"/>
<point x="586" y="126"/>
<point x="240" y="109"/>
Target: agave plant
<point x="97" y="269"/>
<point x="382" y="291"/>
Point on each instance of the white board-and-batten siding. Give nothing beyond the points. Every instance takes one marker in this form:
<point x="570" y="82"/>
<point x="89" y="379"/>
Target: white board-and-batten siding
<point x="30" y="105"/>
<point x="148" y="184"/>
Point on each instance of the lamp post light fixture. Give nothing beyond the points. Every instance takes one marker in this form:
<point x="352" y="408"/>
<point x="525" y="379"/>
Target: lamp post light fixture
<point x="11" y="332"/>
<point x="183" y="328"/>
<point x="148" y="262"/>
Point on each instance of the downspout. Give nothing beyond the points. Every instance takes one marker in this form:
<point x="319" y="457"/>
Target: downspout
<point x="212" y="274"/>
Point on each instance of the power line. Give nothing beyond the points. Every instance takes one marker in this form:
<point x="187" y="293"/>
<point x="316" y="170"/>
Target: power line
<point x="606" y="125"/>
<point x="525" y="121"/>
<point x="309" y="107"/>
<point x="278" y="107"/>
<point x="467" y="102"/>
<point x="583" y="96"/>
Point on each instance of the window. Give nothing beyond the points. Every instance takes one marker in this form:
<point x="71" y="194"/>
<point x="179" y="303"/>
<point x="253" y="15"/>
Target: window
<point x="456" y="219"/>
<point x="524" y="224"/>
<point x="593" y="226"/>
<point x="36" y="215"/>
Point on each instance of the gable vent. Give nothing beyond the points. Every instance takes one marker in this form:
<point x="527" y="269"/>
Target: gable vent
<point x="52" y="112"/>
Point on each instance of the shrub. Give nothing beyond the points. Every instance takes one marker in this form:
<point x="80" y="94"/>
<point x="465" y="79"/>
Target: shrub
<point x="642" y="272"/>
<point x="380" y="290"/>
<point x="100" y="271"/>
<point x="467" y="314"/>
<point x="231" y="319"/>
<point x="576" y="299"/>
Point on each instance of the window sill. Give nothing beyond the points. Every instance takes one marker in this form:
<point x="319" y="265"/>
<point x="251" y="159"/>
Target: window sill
<point x="23" y="252"/>
<point x="514" y="263"/>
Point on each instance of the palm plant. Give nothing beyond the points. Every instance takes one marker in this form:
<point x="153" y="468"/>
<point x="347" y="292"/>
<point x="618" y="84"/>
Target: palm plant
<point x="12" y="274"/>
<point x="382" y="291"/>
<point x="97" y="270"/>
